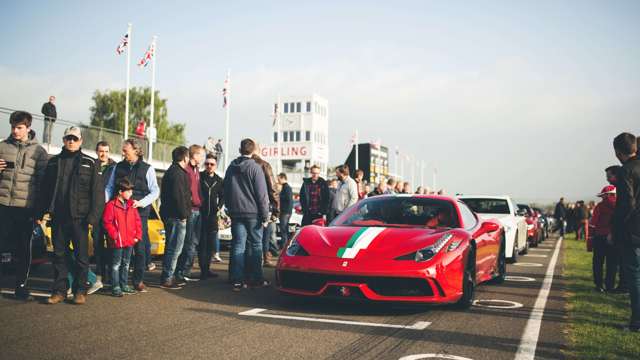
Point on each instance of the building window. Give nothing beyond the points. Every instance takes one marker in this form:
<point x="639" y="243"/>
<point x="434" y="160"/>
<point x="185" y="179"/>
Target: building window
<point x="298" y="107"/>
<point x="291" y="108"/>
<point x="298" y="134"/>
<point x="307" y="134"/>
<point x="308" y="106"/>
<point x="285" y="137"/>
<point x="286" y="108"/>
<point x="275" y="136"/>
<point x="290" y="135"/>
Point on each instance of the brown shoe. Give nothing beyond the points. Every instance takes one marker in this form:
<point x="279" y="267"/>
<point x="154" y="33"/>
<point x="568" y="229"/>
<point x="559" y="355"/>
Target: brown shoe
<point x="140" y="287"/>
<point x="55" y="298"/>
<point x="80" y="298"/>
<point x="266" y="261"/>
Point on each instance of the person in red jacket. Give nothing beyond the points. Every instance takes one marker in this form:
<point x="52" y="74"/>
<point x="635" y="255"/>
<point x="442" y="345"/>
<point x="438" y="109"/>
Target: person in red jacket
<point x="603" y="250"/>
<point x="122" y="223"/>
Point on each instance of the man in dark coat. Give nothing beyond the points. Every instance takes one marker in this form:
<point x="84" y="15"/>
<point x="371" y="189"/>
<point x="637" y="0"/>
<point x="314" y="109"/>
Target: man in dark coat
<point x="626" y="218"/>
<point x="314" y="197"/>
<point x="211" y="187"/>
<point x="286" y="207"/>
<point x="73" y="194"/>
<point x="560" y="214"/>
<point x="50" y="115"/>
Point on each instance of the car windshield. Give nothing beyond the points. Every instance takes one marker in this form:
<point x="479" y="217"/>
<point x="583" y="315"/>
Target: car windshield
<point x="397" y="211"/>
<point x="526" y="209"/>
<point x="488" y="206"/>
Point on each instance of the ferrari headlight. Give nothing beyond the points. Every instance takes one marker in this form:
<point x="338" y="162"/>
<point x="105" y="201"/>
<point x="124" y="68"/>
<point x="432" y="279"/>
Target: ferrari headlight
<point x="431" y="250"/>
<point x="294" y="248"/>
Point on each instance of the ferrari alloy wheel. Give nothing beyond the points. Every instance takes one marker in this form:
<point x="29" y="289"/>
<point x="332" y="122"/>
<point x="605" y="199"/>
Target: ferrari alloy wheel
<point x="468" y="281"/>
<point x="502" y="263"/>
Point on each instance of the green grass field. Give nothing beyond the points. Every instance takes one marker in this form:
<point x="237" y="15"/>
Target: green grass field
<point x="595" y="320"/>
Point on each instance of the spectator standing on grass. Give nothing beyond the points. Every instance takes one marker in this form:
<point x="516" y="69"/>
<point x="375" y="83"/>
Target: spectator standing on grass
<point x="211" y="186"/>
<point x="582" y="220"/>
<point x="194" y="221"/>
<point x="175" y="208"/>
<point x="603" y="250"/>
<point x="286" y="208"/>
<point x="122" y="223"/>
<point x="347" y="193"/>
<point x="100" y="252"/>
<point x="145" y="191"/>
<point x="50" y="116"/>
<point x="22" y="165"/>
<point x="247" y="201"/>
<point x="560" y="214"/>
<point x="611" y="174"/>
<point x="626" y="218"/>
<point x="72" y="193"/>
<point x="314" y="197"/>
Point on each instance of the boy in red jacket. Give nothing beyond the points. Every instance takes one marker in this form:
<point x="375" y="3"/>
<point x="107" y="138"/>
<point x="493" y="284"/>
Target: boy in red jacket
<point x="124" y="229"/>
<point x="602" y="249"/>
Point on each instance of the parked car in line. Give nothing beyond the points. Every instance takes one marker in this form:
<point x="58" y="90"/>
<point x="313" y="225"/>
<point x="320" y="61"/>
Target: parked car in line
<point x="533" y="225"/>
<point x="503" y="209"/>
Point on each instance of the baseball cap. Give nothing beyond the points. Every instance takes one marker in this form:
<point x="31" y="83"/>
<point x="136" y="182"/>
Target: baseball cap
<point x="609" y="189"/>
<point x="73" y="131"/>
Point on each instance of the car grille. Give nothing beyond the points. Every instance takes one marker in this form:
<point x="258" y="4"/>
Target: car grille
<point x="384" y="286"/>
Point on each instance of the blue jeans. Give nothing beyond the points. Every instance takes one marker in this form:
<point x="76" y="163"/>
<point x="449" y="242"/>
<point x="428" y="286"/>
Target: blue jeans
<point x="284" y="229"/>
<point x="191" y="242"/>
<point x="140" y="249"/>
<point x="246" y="233"/>
<point x="268" y="235"/>
<point x="631" y="263"/>
<point x="175" y="231"/>
<point x="120" y="267"/>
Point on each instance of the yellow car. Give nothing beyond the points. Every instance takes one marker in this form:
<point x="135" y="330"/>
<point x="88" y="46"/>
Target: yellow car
<point x="156" y="234"/>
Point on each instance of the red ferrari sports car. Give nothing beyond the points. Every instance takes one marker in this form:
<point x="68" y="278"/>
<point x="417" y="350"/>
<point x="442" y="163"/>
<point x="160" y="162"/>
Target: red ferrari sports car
<point x="399" y="248"/>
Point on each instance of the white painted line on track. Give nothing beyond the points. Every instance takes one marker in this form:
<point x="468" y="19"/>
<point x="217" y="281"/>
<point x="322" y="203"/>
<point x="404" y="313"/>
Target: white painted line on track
<point x="531" y="334"/>
<point x="433" y="356"/>
<point x="506" y="304"/>
<point x="536" y="255"/>
<point x="526" y="264"/>
<point x="33" y="293"/>
<point x="537" y="249"/>
<point x="519" y="278"/>
<point x="420" y="325"/>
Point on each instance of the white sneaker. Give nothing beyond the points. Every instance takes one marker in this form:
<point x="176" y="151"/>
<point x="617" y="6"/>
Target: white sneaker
<point x="151" y="266"/>
<point x="95" y="287"/>
<point x="69" y="293"/>
<point x="217" y="258"/>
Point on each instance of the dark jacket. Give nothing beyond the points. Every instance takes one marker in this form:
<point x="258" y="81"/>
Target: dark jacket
<point x="175" y="195"/>
<point x="286" y="199"/>
<point x="49" y="111"/>
<point x="626" y="218"/>
<point x="245" y="190"/>
<point x="212" y="199"/>
<point x="105" y="171"/>
<point x="85" y="193"/>
<point x="560" y="212"/>
<point x="274" y="200"/>
<point x="137" y="175"/>
<point x="305" y="202"/>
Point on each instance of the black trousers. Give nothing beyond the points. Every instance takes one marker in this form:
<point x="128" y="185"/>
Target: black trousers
<point x="16" y="226"/>
<point x="604" y="253"/>
<point x="307" y="218"/>
<point x="206" y="247"/>
<point x="101" y="252"/>
<point x="74" y="232"/>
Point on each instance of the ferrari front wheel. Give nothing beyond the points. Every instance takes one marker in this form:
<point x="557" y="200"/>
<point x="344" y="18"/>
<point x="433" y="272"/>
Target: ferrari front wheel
<point x="514" y="251"/>
<point x="468" y="281"/>
<point x="501" y="265"/>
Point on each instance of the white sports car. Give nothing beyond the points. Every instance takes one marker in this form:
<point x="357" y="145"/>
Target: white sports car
<point x="503" y="209"/>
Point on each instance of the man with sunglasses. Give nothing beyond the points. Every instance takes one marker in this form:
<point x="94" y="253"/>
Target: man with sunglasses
<point x="212" y="200"/>
<point x="73" y="194"/>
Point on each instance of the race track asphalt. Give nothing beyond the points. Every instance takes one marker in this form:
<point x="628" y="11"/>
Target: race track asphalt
<point x="203" y="321"/>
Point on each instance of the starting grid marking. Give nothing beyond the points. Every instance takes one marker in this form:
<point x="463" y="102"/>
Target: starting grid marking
<point x="420" y="325"/>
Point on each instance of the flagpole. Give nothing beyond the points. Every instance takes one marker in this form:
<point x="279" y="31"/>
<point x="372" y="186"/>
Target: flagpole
<point x="226" y="121"/>
<point x="153" y="96"/>
<point x="356" y="145"/>
<point x="279" y="136"/>
<point x="126" y="101"/>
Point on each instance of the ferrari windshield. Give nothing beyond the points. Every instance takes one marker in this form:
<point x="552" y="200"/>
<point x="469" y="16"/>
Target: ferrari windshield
<point x="487" y="206"/>
<point x="400" y="211"/>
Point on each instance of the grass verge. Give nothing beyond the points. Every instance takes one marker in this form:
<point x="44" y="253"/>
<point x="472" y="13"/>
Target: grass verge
<point x="595" y="320"/>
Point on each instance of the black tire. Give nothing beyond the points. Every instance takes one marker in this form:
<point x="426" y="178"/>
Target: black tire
<point x="526" y="248"/>
<point x="534" y="241"/>
<point x="468" y="281"/>
<point x="502" y="263"/>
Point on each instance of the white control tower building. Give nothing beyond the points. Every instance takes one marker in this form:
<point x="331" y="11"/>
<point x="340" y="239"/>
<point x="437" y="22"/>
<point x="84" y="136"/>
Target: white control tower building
<point x="302" y="135"/>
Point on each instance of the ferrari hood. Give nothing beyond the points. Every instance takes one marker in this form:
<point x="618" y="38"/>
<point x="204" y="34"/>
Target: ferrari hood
<point x="365" y="242"/>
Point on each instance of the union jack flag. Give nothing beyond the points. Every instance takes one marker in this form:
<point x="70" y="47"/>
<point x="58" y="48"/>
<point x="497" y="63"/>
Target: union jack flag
<point x="124" y="43"/>
<point x="225" y="92"/>
<point x="148" y="55"/>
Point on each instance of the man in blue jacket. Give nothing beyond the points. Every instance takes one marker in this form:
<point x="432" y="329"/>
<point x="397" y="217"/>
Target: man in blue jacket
<point x="247" y="202"/>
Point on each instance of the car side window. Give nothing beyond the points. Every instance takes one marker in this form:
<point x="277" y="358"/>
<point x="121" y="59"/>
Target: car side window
<point x="468" y="217"/>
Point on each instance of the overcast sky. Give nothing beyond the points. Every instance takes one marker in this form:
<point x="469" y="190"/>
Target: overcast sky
<point x="505" y="97"/>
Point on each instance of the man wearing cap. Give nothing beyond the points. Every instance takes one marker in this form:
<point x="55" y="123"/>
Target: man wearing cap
<point x="73" y="194"/>
<point x="603" y="250"/>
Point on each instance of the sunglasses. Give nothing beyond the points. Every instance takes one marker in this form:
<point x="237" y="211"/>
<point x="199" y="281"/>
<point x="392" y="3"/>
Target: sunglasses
<point x="71" y="138"/>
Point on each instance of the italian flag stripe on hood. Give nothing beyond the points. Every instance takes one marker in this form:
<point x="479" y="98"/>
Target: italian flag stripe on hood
<point x="358" y="241"/>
